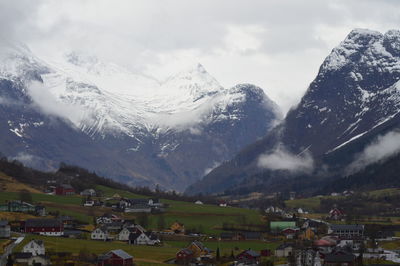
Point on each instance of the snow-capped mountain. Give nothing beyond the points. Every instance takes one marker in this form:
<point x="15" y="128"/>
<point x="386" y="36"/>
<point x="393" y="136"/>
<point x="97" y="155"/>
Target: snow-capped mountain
<point x="139" y="130"/>
<point x="355" y="94"/>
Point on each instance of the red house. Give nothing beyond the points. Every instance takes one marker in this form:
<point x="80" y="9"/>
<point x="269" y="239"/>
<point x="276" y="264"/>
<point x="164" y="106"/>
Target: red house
<point x="184" y="256"/>
<point x="249" y="256"/>
<point x="115" y="258"/>
<point x="64" y="190"/>
<point x="336" y="214"/>
<point x="48" y="227"/>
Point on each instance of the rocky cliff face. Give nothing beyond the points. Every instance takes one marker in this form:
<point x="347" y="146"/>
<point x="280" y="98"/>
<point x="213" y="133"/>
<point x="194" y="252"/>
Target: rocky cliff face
<point x="356" y="92"/>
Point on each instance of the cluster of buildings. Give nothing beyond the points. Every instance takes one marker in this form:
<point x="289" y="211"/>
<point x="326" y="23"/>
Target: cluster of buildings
<point x="140" y="205"/>
<point x="24" y="207"/>
<point x="34" y="253"/>
<point x="111" y="227"/>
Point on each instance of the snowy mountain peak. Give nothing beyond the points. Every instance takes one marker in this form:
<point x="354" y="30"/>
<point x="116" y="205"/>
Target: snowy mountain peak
<point x="195" y="82"/>
<point x="366" y="48"/>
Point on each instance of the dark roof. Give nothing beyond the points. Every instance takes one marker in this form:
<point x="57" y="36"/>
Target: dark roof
<point x="66" y="186"/>
<point x="186" y="251"/>
<point x="339" y="257"/>
<point x="227" y="235"/>
<point x="285" y="245"/>
<point x="43" y="223"/>
<point x="22" y="255"/>
<point x="120" y="253"/>
<point x="134" y="236"/>
<point x="347" y="227"/>
<point x="252" y="253"/>
<point x="253" y="235"/>
<point x="3" y="222"/>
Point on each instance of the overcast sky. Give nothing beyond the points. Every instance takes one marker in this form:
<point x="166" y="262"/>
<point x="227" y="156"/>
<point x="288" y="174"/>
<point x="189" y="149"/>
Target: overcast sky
<point x="277" y="45"/>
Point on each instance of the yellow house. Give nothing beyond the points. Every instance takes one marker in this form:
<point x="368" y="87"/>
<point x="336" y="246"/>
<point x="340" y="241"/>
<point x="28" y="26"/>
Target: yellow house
<point x="198" y="249"/>
<point x="178" y="228"/>
<point x="307" y="235"/>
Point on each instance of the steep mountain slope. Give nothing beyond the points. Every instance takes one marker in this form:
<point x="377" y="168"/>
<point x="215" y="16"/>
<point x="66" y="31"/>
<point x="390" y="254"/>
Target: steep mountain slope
<point x="356" y="91"/>
<point x="122" y="124"/>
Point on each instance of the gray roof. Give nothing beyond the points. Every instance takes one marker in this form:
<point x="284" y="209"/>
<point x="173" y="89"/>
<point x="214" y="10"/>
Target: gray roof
<point x="43" y="223"/>
<point x="252" y="253"/>
<point x="3" y="222"/>
<point x="120" y="253"/>
<point x="22" y="255"/>
<point x="347" y="227"/>
<point x="339" y="257"/>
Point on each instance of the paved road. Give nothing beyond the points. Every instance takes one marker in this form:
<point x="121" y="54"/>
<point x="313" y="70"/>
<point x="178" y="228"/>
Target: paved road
<point x="9" y="249"/>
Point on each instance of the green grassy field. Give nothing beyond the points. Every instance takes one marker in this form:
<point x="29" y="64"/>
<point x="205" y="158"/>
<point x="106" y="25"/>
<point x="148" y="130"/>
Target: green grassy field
<point x="144" y="255"/>
<point x="227" y="246"/>
<point x="209" y="219"/>
<point x="60" y="244"/>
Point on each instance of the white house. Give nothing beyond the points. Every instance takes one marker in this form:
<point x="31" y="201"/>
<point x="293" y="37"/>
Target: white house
<point x="123" y="235"/>
<point x="89" y="203"/>
<point x="143" y="239"/>
<point x="88" y="192"/>
<point x="36" y="247"/>
<point x="99" y="234"/>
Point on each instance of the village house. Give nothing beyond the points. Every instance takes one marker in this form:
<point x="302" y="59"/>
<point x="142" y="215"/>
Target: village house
<point x="250" y="236"/>
<point x="339" y="259"/>
<point x="89" y="202"/>
<point x="324" y="245"/>
<point x="115" y="258"/>
<point x="223" y="203"/>
<point x="284" y="250"/>
<point x="114" y="227"/>
<point x="64" y="190"/>
<point x="138" y="208"/>
<point x="108" y="218"/>
<point x="35" y="247"/>
<point x="307" y="234"/>
<point x="290" y="233"/>
<point x="88" y="192"/>
<point x="26" y="258"/>
<point x="123" y="235"/>
<point x="178" y="228"/>
<point x="336" y="214"/>
<point x="100" y="233"/>
<point x="278" y="226"/>
<point x="141" y="238"/>
<point x="5" y="229"/>
<point x="21" y="206"/>
<point x="198" y="249"/>
<point x="184" y="256"/>
<point x="48" y="227"/>
<point x="347" y="231"/>
<point x="249" y="257"/>
<point x="195" y="250"/>
<point x="228" y="236"/>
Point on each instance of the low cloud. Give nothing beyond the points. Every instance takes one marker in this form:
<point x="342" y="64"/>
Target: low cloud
<point x="281" y="159"/>
<point x="49" y="105"/>
<point x="209" y="169"/>
<point x="379" y="150"/>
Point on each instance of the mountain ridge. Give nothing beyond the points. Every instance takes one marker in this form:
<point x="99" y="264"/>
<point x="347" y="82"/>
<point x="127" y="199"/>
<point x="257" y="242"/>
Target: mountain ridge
<point x="144" y="137"/>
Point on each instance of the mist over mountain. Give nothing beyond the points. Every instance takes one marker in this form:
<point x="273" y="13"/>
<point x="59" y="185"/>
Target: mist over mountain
<point x="125" y="125"/>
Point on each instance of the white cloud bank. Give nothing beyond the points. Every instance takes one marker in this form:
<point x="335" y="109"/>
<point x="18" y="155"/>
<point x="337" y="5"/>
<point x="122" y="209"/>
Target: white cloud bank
<point x="379" y="150"/>
<point x="281" y="159"/>
<point x="49" y="105"/>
